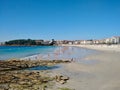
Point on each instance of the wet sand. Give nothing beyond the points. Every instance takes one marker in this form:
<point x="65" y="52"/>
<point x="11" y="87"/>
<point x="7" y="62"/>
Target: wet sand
<point x="104" y="74"/>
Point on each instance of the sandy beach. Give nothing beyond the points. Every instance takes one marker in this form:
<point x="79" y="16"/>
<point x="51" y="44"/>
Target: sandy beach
<point x="103" y="74"/>
<point x="90" y="70"/>
<point x="114" y="48"/>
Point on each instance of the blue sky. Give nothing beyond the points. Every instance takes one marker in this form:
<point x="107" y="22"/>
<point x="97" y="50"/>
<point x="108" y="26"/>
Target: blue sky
<point x="59" y="19"/>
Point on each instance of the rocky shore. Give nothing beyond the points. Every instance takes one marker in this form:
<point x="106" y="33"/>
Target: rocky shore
<point x="14" y="77"/>
<point x="24" y="80"/>
<point x="22" y="64"/>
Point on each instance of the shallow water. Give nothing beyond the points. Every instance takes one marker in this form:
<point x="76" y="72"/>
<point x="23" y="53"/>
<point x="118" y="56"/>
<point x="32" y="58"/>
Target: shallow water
<point x="44" y="52"/>
<point x="70" y="53"/>
<point x="44" y="67"/>
<point x="47" y="52"/>
<point x="8" y="52"/>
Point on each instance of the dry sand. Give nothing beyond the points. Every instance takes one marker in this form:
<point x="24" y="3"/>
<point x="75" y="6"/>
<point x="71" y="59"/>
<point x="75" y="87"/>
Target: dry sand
<point x="103" y="75"/>
<point x="114" y="48"/>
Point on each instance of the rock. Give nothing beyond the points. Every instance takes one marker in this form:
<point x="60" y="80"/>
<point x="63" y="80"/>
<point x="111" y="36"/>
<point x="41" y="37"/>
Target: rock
<point x="13" y="78"/>
<point x="62" y="81"/>
<point x="64" y="78"/>
<point x="14" y="85"/>
<point x="43" y="88"/>
<point x="4" y="86"/>
<point x="36" y="87"/>
<point x="16" y="64"/>
<point x="35" y="81"/>
<point x="22" y="83"/>
<point x="45" y="81"/>
<point x="26" y="89"/>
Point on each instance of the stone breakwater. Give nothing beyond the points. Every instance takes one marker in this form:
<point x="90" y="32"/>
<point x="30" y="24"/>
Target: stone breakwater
<point x="14" y="77"/>
<point x="22" y="64"/>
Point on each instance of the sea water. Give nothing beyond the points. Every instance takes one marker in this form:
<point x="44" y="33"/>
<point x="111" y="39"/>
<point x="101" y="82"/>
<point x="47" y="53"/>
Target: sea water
<point x="43" y="52"/>
<point x="9" y="52"/>
<point x="46" y="53"/>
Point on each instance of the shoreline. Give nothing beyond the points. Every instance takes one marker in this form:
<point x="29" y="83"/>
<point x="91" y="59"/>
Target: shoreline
<point x="113" y="48"/>
<point x="103" y="75"/>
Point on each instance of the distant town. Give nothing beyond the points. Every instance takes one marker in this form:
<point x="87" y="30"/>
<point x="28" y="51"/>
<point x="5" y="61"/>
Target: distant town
<point x="111" y="40"/>
<point x="28" y="42"/>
